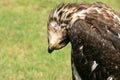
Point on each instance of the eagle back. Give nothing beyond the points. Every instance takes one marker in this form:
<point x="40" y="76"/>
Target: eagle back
<point x="66" y="14"/>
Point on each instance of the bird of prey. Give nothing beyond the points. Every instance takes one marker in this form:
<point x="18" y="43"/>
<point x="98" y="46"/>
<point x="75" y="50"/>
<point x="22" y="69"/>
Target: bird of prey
<point x="94" y="33"/>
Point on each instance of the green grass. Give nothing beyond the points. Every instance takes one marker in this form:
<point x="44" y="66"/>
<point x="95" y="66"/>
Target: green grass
<point x="23" y="41"/>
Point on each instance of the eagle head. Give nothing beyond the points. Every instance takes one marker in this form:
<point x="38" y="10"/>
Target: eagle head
<point x="57" y="38"/>
<point x="57" y="32"/>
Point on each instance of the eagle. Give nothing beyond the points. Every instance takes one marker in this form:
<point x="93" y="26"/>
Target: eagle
<point x="93" y="30"/>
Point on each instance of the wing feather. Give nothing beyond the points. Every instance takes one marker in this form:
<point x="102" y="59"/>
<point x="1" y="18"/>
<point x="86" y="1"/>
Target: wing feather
<point x="108" y="32"/>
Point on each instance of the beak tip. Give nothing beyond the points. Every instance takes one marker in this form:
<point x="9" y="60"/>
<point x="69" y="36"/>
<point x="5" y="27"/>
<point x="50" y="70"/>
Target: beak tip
<point x="50" y="49"/>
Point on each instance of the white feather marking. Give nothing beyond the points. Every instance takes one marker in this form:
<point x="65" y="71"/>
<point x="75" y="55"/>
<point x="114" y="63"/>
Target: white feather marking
<point x="75" y="73"/>
<point x="97" y="9"/>
<point x="80" y="15"/>
<point x="116" y="67"/>
<point x="110" y="78"/>
<point x="53" y="24"/>
<point x="94" y="66"/>
<point x="81" y="47"/>
<point x="118" y="35"/>
<point x="55" y="14"/>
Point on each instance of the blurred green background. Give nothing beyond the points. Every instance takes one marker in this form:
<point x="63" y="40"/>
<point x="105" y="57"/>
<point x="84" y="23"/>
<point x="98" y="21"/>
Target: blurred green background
<point x="23" y="41"/>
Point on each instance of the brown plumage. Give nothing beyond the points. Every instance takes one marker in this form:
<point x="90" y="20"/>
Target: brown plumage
<point x="94" y="33"/>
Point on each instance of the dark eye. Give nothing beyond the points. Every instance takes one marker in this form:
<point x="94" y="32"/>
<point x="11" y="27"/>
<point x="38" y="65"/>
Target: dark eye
<point x="62" y="26"/>
<point x="62" y="41"/>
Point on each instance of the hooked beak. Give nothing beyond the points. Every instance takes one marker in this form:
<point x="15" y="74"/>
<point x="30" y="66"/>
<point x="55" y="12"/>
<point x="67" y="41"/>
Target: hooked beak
<point x="57" y="45"/>
<point x="50" y="49"/>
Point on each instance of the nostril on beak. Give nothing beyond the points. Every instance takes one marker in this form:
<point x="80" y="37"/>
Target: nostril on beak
<point x="50" y="49"/>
